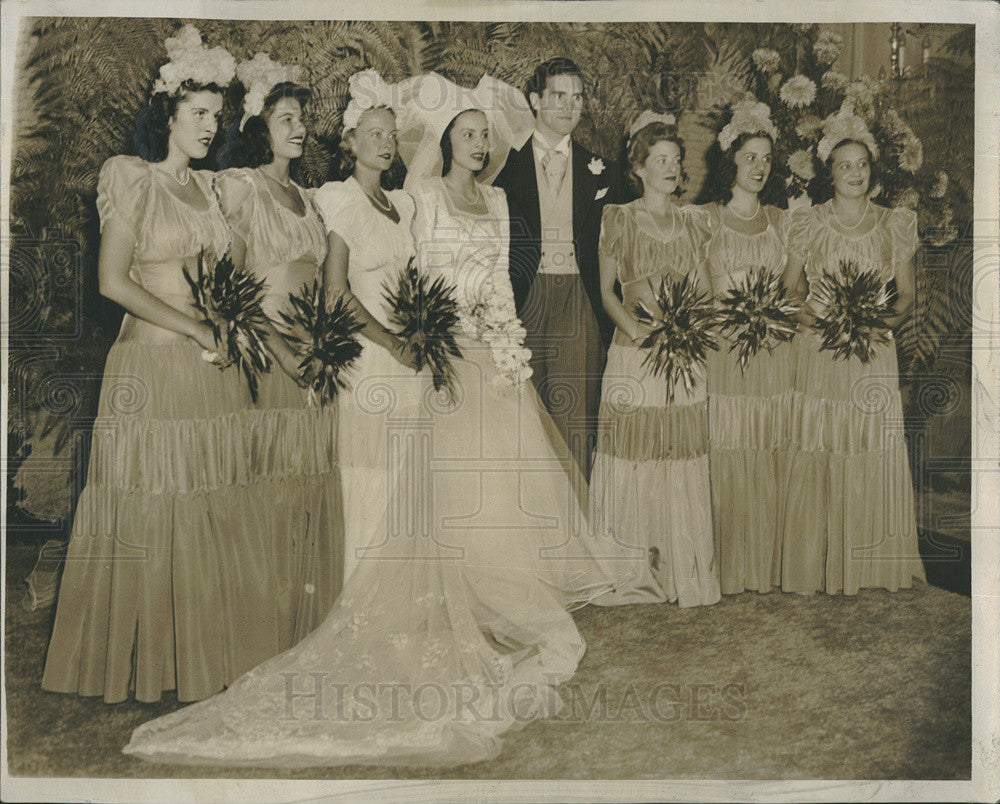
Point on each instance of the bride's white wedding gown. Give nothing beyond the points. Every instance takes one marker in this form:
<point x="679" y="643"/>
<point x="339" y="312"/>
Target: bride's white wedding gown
<point x="454" y="629"/>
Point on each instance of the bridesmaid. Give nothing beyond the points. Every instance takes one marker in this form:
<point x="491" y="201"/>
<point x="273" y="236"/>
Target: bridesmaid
<point x="650" y="484"/>
<point x="850" y="517"/>
<point x="157" y="594"/>
<point x="278" y="235"/>
<point x="749" y="410"/>
<point x="369" y="243"/>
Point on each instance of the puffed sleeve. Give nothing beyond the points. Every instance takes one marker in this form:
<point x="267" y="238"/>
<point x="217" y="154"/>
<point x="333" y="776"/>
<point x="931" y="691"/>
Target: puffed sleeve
<point x="700" y="224"/>
<point x="123" y="191"/>
<point x="612" y="225"/>
<point x="340" y="210"/>
<point x="798" y="229"/>
<point x="236" y="190"/>
<point x="903" y="231"/>
<point x="431" y="256"/>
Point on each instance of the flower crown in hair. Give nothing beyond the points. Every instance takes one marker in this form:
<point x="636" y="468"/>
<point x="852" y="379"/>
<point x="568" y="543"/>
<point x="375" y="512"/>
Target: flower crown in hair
<point x="190" y="60"/>
<point x="260" y="75"/>
<point x="749" y="117"/>
<point x="648" y="117"/>
<point x="844" y="125"/>
<point x="367" y="90"/>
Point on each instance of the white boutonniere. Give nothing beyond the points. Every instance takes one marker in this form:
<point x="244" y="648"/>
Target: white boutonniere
<point x="596" y="166"/>
<point x="601" y="193"/>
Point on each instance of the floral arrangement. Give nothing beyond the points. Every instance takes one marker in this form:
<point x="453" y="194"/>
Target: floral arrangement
<point x="367" y="90"/>
<point x="259" y="76"/>
<point x="325" y="337"/>
<point x="854" y="305"/>
<point x="190" y="60"/>
<point x="758" y="313"/>
<point x="749" y="117"/>
<point x="427" y="316"/>
<point x="489" y="316"/>
<point x="813" y="107"/>
<point x="229" y="300"/>
<point x="682" y="331"/>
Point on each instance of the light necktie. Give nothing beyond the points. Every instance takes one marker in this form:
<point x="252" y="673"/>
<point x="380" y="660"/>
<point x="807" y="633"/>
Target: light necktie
<point x="554" y="166"/>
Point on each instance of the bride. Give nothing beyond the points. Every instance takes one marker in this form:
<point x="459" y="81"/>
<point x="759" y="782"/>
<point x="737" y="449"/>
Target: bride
<point x="460" y="632"/>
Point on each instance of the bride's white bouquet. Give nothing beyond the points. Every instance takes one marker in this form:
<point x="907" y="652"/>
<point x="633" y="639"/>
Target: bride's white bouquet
<point x="489" y="316"/>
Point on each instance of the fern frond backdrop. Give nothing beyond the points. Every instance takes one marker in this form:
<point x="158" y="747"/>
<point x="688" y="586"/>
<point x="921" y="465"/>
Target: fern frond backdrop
<point x="89" y="78"/>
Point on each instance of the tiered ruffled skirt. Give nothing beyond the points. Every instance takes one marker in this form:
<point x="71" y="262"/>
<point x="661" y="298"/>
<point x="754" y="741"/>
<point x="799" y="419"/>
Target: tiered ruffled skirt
<point x="207" y="537"/>
<point x="750" y="438"/>
<point x="650" y="484"/>
<point x="452" y="628"/>
<point x="850" y="519"/>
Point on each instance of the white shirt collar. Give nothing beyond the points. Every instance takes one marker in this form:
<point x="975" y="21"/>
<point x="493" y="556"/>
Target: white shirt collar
<point x="561" y="147"/>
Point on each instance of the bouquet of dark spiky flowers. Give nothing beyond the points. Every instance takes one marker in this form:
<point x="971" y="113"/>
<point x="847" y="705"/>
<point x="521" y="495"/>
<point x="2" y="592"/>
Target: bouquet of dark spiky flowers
<point x="229" y="299"/>
<point x="324" y="338"/>
<point x="426" y="315"/>
<point x="683" y="330"/>
<point x="758" y="314"/>
<point x="855" y="305"/>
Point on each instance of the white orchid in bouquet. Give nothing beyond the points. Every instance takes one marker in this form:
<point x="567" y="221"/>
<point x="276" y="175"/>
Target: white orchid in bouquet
<point x="794" y="73"/>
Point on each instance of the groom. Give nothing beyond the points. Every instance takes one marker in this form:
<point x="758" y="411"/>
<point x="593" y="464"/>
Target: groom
<point x="556" y="190"/>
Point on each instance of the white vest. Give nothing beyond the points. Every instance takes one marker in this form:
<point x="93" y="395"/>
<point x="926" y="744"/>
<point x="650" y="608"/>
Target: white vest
<point x="556" y="208"/>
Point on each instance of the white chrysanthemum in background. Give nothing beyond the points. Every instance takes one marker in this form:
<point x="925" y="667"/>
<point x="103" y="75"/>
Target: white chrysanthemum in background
<point x="908" y="198"/>
<point x="912" y="155"/>
<point x="828" y="47"/>
<point x="766" y="59"/>
<point x="801" y="164"/>
<point x="798" y="91"/>
<point x="862" y="94"/>
<point x="834" y="81"/>
<point x="809" y="126"/>
<point x="942" y="233"/>
<point x="940" y="185"/>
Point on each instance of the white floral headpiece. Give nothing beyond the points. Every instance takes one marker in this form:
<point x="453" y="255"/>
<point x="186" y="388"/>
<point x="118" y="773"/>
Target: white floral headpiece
<point x="749" y="117"/>
<point x="646" y="118"/>
<point x="260" y="75"/>
<point x="190" y="60"/>
<point x="844" y="125"/>
<point x="368" y="90"/>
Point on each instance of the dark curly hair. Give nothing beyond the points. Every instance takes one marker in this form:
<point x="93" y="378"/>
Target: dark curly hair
<point x="821" y="187"/>
<point x="721" y="173"/>
<point x="392" y="177"/>
<point x="446" y="152"/>
<point x="251" y="147"/>
<point x="549" y="69"/>
<point x="642" y="143"/>
<point x="152" y="124"/>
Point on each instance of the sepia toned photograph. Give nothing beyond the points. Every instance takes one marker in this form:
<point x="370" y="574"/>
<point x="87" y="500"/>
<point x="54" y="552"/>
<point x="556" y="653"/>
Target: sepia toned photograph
<point x="592" y="403"/>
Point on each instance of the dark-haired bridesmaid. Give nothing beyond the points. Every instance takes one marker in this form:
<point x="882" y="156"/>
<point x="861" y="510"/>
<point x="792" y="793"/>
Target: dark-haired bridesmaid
<point x="750" y="410"/>
<point x="850" y="517"/>
<point x="279" y="237"/>
<point x="154" y="595"/>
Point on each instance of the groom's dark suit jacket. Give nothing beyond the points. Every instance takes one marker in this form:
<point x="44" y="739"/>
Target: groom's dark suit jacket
<point x="520" y="182"/>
